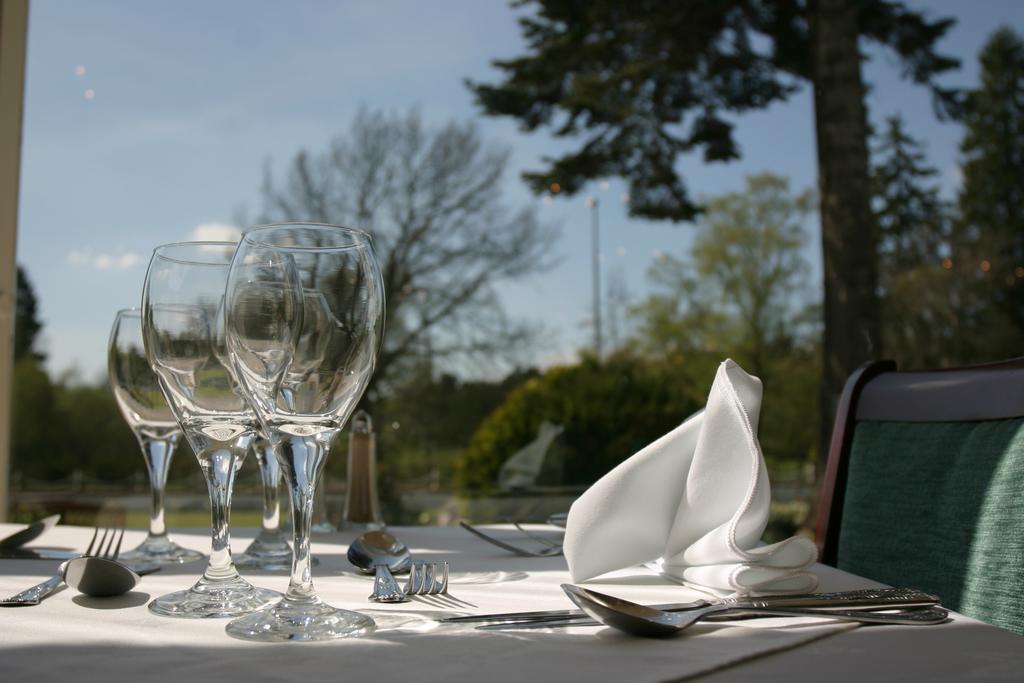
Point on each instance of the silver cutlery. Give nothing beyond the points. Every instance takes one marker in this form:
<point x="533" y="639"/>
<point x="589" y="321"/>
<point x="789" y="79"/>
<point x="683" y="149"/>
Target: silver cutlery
<point x="649" y="622"/>
<point x="558" y="519"/>
<point x="97" y="575"/>
<point x="381" y="554"/>
<point x="537" y="537"/>
<point x="549" y="548"/>
<point x="29" y="533"/>
<point x="899" y="616"/>
<point x="424" y="579"/>
<point x="865" y="599"/>
<point x="554" y="614"/>
<point x="36" y="554"/>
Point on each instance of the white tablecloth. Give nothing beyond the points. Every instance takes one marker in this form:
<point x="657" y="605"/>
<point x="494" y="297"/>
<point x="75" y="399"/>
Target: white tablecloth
<point x="71" y="635"/>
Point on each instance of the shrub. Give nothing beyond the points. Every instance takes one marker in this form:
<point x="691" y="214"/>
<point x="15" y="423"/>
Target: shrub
<point x="609" y="410"/>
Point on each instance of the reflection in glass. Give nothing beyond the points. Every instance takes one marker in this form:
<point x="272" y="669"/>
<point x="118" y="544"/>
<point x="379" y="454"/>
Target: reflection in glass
<point x="138" y="396"/>
<point x="184" y="288"/>
<point x="304" y="405"/>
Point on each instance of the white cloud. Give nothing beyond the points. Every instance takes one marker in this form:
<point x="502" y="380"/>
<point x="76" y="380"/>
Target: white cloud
<point x="216" y="232"/>
<point x="120" y="260"/>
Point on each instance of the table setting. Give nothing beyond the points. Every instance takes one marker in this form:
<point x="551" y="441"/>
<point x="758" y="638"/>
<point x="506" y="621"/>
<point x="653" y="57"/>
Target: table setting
<point x="121" y="640"/>
<point x="657" y="572"/>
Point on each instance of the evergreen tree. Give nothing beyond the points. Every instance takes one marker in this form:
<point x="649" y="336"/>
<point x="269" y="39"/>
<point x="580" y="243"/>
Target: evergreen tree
<point x="643" y="82"/>
<point x="989" y="240"/>
<point x="26" y="321"/>
<point x="912" y="218"/>
<point x="917" y="298"/>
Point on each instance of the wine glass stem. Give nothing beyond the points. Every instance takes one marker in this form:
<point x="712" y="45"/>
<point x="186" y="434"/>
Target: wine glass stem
<point x="219" y="465"/>
<point x="270" y="473"/>
<point x="158" y="454"/>
<point x="302" y="461"/>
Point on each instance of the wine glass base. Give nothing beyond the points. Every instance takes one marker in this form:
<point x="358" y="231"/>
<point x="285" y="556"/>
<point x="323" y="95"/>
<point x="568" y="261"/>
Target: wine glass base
<point x="161" y="550"/>
<point x="210" y="599"/>
<point x="271" y="555"/>
<point x="265" y="561"/>
<point x="307" y="620"/>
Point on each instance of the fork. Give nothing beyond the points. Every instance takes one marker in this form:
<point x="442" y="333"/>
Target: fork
<point x="423" y="579"/>
<point x="537" y="537"/>
<point x="551" y="549"/>
<point x="105" y="549"/>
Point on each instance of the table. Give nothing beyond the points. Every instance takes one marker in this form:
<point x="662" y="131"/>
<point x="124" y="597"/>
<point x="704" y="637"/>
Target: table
<point x="70" y="635"/>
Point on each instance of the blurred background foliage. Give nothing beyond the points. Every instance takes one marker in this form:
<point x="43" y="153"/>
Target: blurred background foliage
<point x="608" y="410"/>
<point x="950" y="291"/>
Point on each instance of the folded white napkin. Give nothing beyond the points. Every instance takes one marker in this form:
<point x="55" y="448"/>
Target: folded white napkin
<point x="698" y="498"/>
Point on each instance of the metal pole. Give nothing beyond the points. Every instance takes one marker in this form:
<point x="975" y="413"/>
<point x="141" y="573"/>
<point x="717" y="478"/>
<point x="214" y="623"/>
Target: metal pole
<point x="595" y="241"/>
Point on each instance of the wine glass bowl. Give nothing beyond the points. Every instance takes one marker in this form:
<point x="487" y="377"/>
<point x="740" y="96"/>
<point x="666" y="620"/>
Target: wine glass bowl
<point x="183" y="292"/>
<point x="144" y="408"/>
<point x="331" y="347"/>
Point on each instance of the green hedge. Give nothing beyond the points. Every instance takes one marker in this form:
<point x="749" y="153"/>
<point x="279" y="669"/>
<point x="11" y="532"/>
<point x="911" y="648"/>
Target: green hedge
<point x="608" y="410"/>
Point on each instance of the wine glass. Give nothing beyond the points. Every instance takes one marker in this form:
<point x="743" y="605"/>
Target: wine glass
<point x="316" y="312"/>
<point x="143" y="407"/>
<point x="184" y="289"/>
<point x="269" y="550"/>
<point x="303" y="408"/>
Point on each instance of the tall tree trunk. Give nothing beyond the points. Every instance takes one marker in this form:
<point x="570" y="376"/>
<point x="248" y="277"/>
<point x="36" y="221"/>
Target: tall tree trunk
<point x="847" y="228"/>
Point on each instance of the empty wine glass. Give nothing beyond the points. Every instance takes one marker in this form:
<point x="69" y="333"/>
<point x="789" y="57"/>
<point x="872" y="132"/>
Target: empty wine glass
<point x="269" y="550"/>
<point x="315" y="316"/>
<point x="145" y="410"/>
<point x="184" y="289"/>
<point x="303" y="407"/>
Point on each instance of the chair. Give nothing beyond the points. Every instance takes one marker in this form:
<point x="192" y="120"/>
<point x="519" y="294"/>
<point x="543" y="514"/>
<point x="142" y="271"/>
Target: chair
<point x="924" y="485"/>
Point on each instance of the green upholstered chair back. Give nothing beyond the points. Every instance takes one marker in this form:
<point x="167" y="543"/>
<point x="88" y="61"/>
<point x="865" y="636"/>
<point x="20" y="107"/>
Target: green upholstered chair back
<point x="927" y="486"/>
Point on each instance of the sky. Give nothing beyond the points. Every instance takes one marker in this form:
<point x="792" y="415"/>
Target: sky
<point x="150" y="122"/>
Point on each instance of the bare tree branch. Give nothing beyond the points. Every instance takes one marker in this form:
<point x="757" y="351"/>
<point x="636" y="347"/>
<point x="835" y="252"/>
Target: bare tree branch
<point x="431" y="199"/>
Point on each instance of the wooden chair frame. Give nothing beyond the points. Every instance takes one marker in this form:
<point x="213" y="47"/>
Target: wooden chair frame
<point x="876" y="391"/>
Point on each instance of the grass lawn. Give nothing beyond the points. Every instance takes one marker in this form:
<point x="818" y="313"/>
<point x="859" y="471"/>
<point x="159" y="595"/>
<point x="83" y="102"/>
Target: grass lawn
<point x="193" y="519"/>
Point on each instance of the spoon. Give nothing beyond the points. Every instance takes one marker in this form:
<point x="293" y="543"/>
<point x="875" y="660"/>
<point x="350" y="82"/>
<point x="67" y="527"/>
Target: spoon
<point x="380" y="553"/>
<point x="29" y="533"/>
<point x="654" y="623"/>
<point x="93" y="576"/>
<point x="98" y="577"/>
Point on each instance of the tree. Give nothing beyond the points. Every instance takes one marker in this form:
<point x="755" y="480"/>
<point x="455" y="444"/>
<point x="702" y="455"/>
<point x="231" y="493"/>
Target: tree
<point x="748" y="248"/>
<point x="40" y="447"/>
<point x="37" y="429"/>
<point x="742" y="292"/>
<point x="98" y="439"/>
<point x="431" y="199"/>
<point x="912" y="219"/>
<point x="26" y="321"/>
<point x="644" y="82"/>
<point x="918" y="292"/>
<point x="989" y="239"/>
<point x="745" y="281"/>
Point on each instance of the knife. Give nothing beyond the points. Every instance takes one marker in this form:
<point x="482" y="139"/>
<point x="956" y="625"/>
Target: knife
<point x="37" y="554"/>
<point x="558" y="613"/>
<point x="737" y="615"/>
<point x="867" y="599"/>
